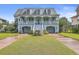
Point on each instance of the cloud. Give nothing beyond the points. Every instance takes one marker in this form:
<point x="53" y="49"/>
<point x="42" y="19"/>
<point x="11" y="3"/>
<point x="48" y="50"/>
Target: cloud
<point x="67" y="11"/>
<point x="67" y="15"/>
<point x="68" y="8"/>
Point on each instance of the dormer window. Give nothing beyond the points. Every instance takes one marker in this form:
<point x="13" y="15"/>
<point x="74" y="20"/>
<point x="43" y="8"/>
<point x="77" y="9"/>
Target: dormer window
<point x="28" y="11"/>
<point x="49" y="11"/>
<point x="45" y="12"/>
<point x="24" y="13"/>
<point x="34" y="13"/>
<point x="38" y="11"/>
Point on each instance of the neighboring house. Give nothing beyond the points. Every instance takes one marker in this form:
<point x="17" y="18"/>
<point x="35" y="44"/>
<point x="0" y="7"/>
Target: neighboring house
<point x="41" y="19"/>
<point x="75" y="19"/>
<point x="2" y="24"/>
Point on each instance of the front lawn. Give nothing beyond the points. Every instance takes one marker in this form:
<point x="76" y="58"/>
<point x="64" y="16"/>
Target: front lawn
<point x="5" y="35"/>
<point x="71" y="35"/>
<point x="36" y="45"/>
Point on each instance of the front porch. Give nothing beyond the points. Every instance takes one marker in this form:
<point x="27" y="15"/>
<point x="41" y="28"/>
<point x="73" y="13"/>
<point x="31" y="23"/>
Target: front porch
<point x="28" y="24"/>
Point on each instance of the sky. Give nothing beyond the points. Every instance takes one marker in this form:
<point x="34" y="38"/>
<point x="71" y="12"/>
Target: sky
<point x="7" y="11"/>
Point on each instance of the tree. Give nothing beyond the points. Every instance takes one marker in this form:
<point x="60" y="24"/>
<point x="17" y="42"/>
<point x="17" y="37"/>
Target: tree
<point x="63" y="24"/>
<point x="9" y="28"/>
<point x="1" y="25"/>
<point x="75" y="29"/>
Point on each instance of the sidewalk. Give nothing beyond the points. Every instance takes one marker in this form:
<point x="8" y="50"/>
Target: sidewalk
<point x="69" y="42"/>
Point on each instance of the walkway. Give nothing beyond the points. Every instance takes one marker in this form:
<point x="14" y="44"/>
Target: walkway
<point x="69" y="42"/>
<point x="7" y="41"/>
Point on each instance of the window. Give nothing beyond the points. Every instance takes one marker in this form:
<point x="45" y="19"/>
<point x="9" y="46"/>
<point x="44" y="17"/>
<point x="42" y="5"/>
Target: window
<point x="30" y="20"/>
<point x="78" y="18"/>
<point x="46" y="20"/>
<point x="49" y="11"/>
<point x="28" y="11"/>
<point x="45" y="12"/>
<point x="18" y="19"/>
<point x="23" y="19"/>
<point x="53" y="19"/>
<point x="38" y="21"/>
<point x="38" y="11"/>
<point x="24" y="13"/>
<point x="34" y="12"/>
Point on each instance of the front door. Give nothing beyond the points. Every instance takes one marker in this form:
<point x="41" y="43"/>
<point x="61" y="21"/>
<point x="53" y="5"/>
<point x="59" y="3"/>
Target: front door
<point x="38" y="24"/>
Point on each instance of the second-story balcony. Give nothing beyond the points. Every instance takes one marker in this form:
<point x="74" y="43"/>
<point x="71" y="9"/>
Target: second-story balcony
<point x="38" y="20"/>
<point x="37" y="23"/>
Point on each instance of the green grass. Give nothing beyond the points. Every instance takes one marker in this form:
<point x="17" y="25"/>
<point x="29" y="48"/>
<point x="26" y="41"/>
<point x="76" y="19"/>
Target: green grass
<point x="5" y="35"/>
<point x="37" y="45"/>
<point x="71" y="35"/>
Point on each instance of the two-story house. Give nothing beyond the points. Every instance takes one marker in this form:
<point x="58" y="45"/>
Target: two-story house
<point x="75" y="19"/>
<point x="3" y="24"/>
<point x="41" y="19"/>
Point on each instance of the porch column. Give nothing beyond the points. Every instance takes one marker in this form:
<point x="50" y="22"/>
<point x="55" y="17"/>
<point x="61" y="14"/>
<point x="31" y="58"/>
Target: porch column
<point x="57" y="23"/>
<point x="42" y="23"/>
<point x="26" y="20"/>
<point x="50" y="20"/>
<point x="21" y="24"/>
<point x="34" y="24"/>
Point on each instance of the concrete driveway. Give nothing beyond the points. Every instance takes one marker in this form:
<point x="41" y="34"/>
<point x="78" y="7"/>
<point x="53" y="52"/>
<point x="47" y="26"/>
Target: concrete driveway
<point x="69" y="42"/>
<point x="9" y="40"/>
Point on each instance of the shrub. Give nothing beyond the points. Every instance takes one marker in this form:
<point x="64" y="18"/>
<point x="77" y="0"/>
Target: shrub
<point x="31" y="32"/>
<point x="75" y="30"/>
<point x="37" y="33"/>
<point x="45" y="32"/>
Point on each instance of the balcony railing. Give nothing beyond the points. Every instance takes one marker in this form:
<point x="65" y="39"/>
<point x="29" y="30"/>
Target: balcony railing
<point x="54" y="23"/>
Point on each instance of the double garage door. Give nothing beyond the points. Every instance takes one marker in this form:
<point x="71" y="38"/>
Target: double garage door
<point x="50" y="29"/>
